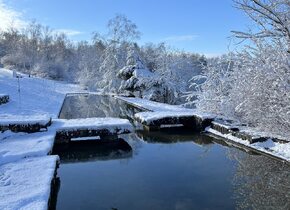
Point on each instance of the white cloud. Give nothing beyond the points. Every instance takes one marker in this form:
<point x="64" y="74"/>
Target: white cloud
<point x="182" y="38"/>
<point x="10" y="18"/>
<point x="68" y="32"/>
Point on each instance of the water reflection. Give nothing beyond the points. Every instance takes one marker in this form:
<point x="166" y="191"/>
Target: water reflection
<point x="92" y="150"/>
<point x="260" y="182"/>
<point x="173" y="135"/>
<point x="86" y="106"/>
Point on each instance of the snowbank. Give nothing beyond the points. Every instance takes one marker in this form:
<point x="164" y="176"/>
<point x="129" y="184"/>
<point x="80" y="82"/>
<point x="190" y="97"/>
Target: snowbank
<point x="26" y="184"/>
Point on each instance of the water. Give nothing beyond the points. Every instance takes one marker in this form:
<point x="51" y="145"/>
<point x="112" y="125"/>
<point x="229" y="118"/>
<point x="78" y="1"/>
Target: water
<point x="168" y="169"/>
<point x="85" y="106"/>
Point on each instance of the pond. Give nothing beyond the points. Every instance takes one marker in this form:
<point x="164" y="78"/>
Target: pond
<point x="168" y="169"/>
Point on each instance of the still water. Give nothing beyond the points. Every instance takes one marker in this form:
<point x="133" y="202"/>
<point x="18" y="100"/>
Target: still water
<point x="168" y="169"/>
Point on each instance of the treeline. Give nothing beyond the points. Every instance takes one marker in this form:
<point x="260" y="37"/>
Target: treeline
<point x="38" y="50"/>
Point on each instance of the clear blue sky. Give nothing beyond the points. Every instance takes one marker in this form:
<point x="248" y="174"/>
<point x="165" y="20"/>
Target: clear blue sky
<point x="193" y="25"/>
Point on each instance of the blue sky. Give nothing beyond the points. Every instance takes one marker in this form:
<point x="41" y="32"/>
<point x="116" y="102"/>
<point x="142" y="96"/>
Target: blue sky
<point x="193" y="25"/>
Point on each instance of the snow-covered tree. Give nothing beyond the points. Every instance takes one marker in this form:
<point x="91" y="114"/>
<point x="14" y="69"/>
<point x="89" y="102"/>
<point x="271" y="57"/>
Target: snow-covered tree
<point x="272" y="19"/>
<point x="141" y="82"/>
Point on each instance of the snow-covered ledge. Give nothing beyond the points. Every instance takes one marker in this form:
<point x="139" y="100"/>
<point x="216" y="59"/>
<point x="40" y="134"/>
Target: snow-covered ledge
<point x="277" y="150"/>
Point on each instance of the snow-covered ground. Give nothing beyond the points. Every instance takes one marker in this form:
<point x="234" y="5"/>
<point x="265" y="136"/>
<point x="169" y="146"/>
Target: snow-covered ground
<point x="25" y="169"/>
<point x="36" y="96"/>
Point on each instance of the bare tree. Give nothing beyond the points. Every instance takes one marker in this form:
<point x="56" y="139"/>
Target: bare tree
<point x="122" y="29"/>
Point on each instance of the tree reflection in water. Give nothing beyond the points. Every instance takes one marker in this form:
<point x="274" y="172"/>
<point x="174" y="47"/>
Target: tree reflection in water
<point x="86" y="106"/>
<point x="260" y="182"/>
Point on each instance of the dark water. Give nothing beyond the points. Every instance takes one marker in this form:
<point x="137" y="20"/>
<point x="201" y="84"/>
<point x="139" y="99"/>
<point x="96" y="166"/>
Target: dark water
<point x="168" y="169"/>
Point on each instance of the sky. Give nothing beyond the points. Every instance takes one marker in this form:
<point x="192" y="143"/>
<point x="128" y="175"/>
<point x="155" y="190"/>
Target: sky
<point x="202" y="26"/>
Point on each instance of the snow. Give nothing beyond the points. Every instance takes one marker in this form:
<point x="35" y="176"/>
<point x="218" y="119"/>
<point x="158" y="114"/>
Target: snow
<point x="225" y="124"/>
<point x="26" y="184"/>
<point x="161" y="110"/>
<point x="36" y="97"/>
<point x="273" y="148"/>
<point x="92" y="138"/>
<point x="152" y="116"/>
<point x="112" y="124"/>
<point x="14" y="147"/>
<point x="151" y="105"/>
<point x="144" y="73"/>
<point x="147" y="104"/>
<point x="11" y="119"/>
<point x="255" y="132"/>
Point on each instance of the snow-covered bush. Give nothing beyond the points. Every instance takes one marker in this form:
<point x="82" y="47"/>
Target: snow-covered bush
<point x="210" y="90"/>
